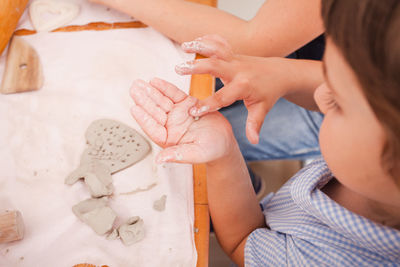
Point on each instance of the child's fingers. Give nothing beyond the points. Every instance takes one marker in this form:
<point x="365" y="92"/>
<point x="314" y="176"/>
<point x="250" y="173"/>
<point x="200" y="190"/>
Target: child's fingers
<point x="141" y="98"/>
<point x="169" y="90"/>
<point x="180" y="120"/>
<point x="181" y="112"/>
<point x="164" y="102"/>
<point x="154" y="130"/>
<point x="209" y="46"/>
<point x="255" y="120"/>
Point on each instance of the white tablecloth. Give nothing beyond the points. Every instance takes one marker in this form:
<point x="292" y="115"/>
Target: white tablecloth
<point x="87" y="77"/>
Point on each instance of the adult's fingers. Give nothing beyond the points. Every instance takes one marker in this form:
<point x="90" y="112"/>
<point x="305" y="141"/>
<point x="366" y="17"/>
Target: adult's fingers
<point x="236" y="90"/>
<point x="255" y="120"/>
<point x="212" y="66"/>
<point x="140" y="97"/>
<point x="209" y="46"/>
<point x="150" y="126"/>
<point x="169" y="90"/>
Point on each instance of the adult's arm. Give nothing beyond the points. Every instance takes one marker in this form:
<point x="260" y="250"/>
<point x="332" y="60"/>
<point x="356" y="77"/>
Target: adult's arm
<point x="279" y="28"/>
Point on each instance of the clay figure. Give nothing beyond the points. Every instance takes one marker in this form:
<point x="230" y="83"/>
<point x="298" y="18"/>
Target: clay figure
<point x="112" y="146"/>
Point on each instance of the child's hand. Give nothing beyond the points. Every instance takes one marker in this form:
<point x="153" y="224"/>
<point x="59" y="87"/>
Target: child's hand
<point x="162" y="110"/>
<point x="260" y="82"/>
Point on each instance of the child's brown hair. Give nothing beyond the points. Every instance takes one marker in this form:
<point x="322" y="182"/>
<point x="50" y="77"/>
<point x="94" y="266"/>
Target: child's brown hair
<point x="367" y="32"/>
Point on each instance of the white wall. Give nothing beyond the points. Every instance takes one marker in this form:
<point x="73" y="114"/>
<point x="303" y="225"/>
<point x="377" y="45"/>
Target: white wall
<point x="245" y="9"/>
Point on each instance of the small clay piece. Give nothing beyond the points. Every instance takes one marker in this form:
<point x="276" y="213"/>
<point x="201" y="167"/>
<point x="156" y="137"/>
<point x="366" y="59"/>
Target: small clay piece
<point x="96" y="214"/>
<point x="11" y="226"/>
<point x="138" y="190"/>
<point x="97" y="176"/>
<point x="113" y="235"/>
<point x="159" y="205"/>
<point x="112" y="146"/>
<point x="23" y="71"/>
<point x="62" y="13"/>
<point x="132" y="231"/>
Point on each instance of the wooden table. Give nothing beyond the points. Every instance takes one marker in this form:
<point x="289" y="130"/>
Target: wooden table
<point x="201" y="87"/>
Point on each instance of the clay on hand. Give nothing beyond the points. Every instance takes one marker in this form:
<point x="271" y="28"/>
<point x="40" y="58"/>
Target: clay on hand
<point x="112" y="146"/>
<point x="162" y="110"/>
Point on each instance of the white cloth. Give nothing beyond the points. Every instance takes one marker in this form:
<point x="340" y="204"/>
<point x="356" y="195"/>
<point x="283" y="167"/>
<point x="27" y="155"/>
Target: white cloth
<point x="87" y="77"/>
<point x="89" y="12"/>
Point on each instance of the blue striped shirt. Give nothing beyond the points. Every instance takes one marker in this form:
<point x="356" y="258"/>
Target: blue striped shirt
<point x="307" y="228"/>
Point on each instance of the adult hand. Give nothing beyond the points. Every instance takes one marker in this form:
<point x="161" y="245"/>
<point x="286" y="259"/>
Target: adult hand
<point x="259" y="82"/>
<point x="115" y="4"/>
<point x="162" y="110"/>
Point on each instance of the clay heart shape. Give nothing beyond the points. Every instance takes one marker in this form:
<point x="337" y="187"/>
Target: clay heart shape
<point x="48" y="15"/>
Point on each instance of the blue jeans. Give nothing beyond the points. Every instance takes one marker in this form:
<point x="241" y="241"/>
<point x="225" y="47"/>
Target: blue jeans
<point x="289" y="132"/>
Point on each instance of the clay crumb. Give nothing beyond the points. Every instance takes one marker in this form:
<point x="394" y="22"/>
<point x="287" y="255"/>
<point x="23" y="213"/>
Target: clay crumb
<point x="34" y="173"/>
<point x="132" y="231"/>
<point x="7" y="250"/>
<point x="21" y="258"/>
<point x="159" y="205"/>
<point x="137" y="190"/>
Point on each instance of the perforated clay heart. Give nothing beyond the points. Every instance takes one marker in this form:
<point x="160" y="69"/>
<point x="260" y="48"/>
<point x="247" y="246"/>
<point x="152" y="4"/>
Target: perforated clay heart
<point x="112" y="146"/>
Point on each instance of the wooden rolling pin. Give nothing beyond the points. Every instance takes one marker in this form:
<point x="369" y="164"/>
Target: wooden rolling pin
<point x="10" y="13"/>
<point x="11" y="226"/>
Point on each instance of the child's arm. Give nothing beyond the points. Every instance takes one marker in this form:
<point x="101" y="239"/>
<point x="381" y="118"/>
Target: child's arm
<point x="232" y="202"/>
<point x="279" y="28"/>
<point x="162" y="110"/>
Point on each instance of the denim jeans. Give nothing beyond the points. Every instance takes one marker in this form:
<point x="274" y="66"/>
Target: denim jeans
<point x="289" y="131"/>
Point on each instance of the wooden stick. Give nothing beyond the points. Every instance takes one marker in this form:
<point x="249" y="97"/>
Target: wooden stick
<point x="93" y="26"/>
<point x="11" y="226"/>
<point x="10" y="12"/>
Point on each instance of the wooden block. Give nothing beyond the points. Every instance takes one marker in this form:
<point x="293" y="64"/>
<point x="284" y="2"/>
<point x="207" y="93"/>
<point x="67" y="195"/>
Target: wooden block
<point x="10" y="12"/>
<point x="11" y="226"/>
<point x="200" y="184"/>
<point x="202" y="231"/>
<point x="23" y="70"/>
